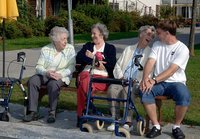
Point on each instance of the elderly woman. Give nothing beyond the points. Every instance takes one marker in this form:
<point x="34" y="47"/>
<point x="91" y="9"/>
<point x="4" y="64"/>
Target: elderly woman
<point x="122" y="70"/>
<point x="106" y="55"/>
<point x="54" y="69"/>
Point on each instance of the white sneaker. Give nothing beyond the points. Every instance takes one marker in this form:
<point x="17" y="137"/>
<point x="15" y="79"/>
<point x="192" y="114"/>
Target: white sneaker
<point x="128" y="127"/>
<point x="111" y="127"/>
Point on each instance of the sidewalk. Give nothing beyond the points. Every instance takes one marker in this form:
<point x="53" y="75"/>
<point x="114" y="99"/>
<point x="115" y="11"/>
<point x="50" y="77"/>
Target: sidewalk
<point x="64" y="128"/>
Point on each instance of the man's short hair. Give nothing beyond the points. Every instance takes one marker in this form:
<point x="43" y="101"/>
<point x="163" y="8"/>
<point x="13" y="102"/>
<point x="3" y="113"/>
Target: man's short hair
<point x="168" y="25"/>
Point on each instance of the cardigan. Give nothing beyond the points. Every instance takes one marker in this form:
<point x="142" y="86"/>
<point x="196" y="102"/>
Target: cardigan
<point x="124" y="59"/>
<point x="66" y="66"/>
<point x="109" y="54"/>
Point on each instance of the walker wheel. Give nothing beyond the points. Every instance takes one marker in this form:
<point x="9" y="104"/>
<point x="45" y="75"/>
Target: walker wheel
<point x="124" y="133"/>
<point x="141" y="126"/>
<point x="99" y="124"/>
<point x="87" y="128"/>
<point x="5" y="116"/>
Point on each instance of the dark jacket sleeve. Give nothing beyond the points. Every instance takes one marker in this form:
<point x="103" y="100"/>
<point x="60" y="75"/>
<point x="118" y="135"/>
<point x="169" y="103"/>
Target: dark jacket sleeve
<point x="81" y="58"/>
<point x="109" y="54"/>
<point x="110" y="58"/>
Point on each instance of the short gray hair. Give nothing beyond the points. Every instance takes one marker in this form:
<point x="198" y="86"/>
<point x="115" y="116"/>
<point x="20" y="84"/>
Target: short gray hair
<point x="102" y="28"/>
<point x="144" y="28"/>
<point x="56" y="31"/>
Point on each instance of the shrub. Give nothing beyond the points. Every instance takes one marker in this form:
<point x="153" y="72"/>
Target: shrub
<point x="53" y="21"/>
<point x="82" y="23"/>
<point x="12" y="30"/>
<point x="30" y="21"/>
<point x="26" y="31"/>
<point x="146" y="20"/>
<point x="102" y="12"/>
<point x="123" y="21"/>
<point x="38" y="27"/>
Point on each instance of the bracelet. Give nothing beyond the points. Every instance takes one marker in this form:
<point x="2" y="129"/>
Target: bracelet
<point x="154" y="78"/>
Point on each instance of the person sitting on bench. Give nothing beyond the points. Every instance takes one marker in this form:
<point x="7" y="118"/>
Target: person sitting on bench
<point x="169" y="58"/>
<point x="122" y="71"/>
<point x="105" y="54"/>
<point x="54" y="69"/>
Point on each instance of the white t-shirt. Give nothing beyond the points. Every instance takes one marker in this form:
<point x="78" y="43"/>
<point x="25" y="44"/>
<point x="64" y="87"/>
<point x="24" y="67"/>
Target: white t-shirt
<point x="165" y="55"/>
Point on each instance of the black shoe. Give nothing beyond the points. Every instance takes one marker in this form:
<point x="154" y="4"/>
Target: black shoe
<point x="153" y="133"/>
<point x="32" y="116"/>
<point x="177" y="133"/>
<point x="79" y="122"/>
<point x="52" y="117"/>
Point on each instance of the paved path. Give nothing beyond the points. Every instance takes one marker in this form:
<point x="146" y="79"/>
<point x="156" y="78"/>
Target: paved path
<point x="64" y="128"/>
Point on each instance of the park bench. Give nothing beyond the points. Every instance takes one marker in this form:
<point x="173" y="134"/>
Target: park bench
<point x="73" y="89"/>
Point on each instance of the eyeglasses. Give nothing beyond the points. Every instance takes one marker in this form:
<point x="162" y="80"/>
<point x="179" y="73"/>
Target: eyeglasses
<point x="137" y="63"/>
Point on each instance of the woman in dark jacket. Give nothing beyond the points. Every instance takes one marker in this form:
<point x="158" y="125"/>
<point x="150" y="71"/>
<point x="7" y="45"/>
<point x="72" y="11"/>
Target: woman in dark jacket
<point x="105" y="59"/>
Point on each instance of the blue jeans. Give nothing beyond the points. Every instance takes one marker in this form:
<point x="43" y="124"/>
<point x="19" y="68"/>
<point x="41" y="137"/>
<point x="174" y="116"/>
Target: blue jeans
<point x="175" y="90"/>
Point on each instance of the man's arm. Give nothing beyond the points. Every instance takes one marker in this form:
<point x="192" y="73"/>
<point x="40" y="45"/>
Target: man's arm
<point x="145" y="84"/>
<point x="166" y="74"/>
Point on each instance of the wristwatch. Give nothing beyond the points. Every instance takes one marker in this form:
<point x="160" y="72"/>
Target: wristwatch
<point x="154" y="78"/>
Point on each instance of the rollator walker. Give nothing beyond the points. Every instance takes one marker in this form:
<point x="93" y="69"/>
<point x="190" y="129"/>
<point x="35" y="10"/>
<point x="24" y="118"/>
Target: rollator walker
<point x="94" y="115"/>
<point x="7" y="85"/>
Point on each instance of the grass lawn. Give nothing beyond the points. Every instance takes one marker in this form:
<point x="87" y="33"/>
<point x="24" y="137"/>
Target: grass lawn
<point x="68" y="100"/>
<point x="37" y="42"/>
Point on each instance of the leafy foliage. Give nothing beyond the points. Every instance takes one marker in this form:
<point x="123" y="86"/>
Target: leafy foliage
<point x="12" y="30"/>
<point x="102" y="12"/>
<point x="83" y="16"/>
<point x="166" y="11"/>
<point x="52" y="21"/>
<point x="82" y="23"/>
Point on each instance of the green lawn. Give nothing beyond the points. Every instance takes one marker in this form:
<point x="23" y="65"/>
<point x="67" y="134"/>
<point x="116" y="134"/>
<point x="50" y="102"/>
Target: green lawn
<point x="68" y="100"/>
<point x="37" y="42"/>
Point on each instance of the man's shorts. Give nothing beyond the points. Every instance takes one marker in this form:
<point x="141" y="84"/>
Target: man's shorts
<point x="175" y="90"/>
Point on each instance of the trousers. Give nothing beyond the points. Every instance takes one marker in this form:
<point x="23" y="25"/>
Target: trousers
<point x="118" y="91"/>
<point x="53" y="89"/>
<point x="83" y="86"/>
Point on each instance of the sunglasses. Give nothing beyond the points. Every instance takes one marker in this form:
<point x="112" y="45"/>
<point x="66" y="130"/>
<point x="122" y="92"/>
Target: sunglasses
<point x="137" y="63"/>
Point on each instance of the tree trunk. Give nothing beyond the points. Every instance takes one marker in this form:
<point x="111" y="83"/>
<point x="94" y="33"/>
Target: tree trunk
<point x="192" y="28"/>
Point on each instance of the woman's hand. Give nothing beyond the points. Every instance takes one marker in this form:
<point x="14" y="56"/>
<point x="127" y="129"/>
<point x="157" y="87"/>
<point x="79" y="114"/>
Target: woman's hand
<point x="89" y="54"/>
<point x="54" y="75"/>
<point x="101" y="65"/>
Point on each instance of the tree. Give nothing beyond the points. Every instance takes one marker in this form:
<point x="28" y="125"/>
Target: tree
<point x="166" y="11"/>
<point x="192" y="28"/>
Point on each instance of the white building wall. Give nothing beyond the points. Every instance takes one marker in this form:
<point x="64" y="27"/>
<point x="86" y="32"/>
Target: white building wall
<point x="143" y="6"/>
<point x="183" y="7"/>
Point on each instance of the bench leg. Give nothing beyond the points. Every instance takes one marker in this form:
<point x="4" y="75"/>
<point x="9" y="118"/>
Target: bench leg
<point x="147" y="123"/>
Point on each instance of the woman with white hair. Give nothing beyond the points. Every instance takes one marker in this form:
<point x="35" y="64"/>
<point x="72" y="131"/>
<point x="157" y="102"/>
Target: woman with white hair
<point x="54" y="69"/>
<point x="105" y="54"/>
<point x="122" y="70"/>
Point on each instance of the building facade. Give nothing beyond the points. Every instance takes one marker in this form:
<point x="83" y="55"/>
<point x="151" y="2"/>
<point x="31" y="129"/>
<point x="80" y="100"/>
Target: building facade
<point x="183" y="7"/>
<point x="142" y="6"/>
<point x="44" y="8"/>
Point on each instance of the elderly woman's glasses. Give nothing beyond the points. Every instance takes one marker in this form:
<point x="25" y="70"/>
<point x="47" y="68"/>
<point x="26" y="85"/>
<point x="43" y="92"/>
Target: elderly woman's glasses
<point x="137" y="62"/>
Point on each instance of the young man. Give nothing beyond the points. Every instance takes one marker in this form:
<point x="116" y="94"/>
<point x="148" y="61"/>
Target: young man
<point x="123" y="68"/>
<point x="169" y="58"/>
